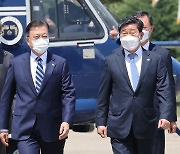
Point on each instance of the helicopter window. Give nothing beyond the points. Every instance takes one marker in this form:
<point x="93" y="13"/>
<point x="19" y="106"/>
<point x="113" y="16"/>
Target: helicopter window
<point x="105" y="15"/>
<point x="67" y="19"/>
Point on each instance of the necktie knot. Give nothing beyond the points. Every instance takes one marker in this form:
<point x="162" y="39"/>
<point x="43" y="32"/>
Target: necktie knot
<point x="132" y="56"/>
<point x="38" y="59"/>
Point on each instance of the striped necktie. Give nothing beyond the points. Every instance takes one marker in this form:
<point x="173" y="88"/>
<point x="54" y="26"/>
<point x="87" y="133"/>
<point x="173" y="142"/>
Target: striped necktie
<point x="39" y="74"/>
<point x="134" y="71"/>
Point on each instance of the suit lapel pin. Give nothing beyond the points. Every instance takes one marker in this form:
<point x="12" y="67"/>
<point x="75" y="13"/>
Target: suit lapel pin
<point x="53" y="65"/>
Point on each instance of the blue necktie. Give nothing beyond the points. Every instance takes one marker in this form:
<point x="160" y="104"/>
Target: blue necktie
<point x="39" y="74"/>
<point x="134" y="71"/>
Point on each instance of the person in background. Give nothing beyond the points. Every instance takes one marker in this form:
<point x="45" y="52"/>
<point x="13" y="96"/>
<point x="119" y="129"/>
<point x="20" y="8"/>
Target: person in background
<point x="5" y="58"/>
<point x="146" y="18"/>
<point x="45" y="97"/>
<point x="125" y="109"/>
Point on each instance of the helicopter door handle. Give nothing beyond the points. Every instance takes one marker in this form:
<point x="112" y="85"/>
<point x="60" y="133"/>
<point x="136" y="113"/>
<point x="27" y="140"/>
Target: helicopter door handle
<point x="85" y="44"/>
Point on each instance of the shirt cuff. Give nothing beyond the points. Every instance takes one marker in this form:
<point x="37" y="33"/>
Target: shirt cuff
<point x="3" y="130"/>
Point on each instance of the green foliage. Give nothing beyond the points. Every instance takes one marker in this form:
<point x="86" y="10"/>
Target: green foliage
<point x="164" y="15"/>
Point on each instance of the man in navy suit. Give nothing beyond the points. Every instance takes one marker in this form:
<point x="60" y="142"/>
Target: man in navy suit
<point x="146" y="18"/>
<point x="126" y="112"/>
<point x="45" y="97"/>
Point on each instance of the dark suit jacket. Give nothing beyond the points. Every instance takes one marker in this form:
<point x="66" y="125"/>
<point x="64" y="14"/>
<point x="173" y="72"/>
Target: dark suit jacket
<point x="54" y="104"/>
<point x="165" y="54"/>
<point x="5" y="58"/>
<point x="120" y="108"/>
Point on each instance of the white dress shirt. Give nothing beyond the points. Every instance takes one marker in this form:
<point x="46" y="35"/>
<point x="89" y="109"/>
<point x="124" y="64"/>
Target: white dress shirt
<point x="34" y="63"/>
<point x="137" y="60"/>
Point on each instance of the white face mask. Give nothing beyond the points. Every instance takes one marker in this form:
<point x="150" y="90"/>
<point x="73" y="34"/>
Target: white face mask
<point x="129" y="42"/>
<point x="40" y="45"/>
<point x="145" y="36"/>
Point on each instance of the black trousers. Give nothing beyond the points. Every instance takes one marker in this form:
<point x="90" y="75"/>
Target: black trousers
<point x="159" y="142"/>
<point x="132" y="145"/>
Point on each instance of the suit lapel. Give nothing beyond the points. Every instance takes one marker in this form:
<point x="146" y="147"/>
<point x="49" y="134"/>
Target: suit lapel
<point x="146" y="60"/>
<point x="120" y="59"/>
<point x="49" y="69"/>
<point x="27" y="71"/>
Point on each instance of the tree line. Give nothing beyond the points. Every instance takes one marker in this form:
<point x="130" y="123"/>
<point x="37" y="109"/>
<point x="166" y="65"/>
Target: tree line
<point x="164" y="15"/>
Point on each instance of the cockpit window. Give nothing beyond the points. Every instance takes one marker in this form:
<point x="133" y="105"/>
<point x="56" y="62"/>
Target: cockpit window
<point x="67" y="19"/>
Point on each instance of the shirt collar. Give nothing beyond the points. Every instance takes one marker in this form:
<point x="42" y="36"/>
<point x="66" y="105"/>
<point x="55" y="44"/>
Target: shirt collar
<point x="146" y="46"/>
<point x="43" y="57"/>
<point x="138" y="52"/>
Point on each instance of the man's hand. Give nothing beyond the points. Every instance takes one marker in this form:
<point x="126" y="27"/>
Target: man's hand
<point x="113" y="33"/>
<point x="64" y="130"/>
<point x="164" y="124"/>
<point x="173" y="127"/>
<point x="4" y="138"/>
<point x="102" y="131"/>
<point x="50" y="23"/>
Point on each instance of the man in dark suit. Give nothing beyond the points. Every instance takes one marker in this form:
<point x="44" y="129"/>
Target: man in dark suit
<point x="5" y="58"/>
<point x="126" y="109"/>
<point x="45" y="97"/>
<point x="146" y="18"/>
